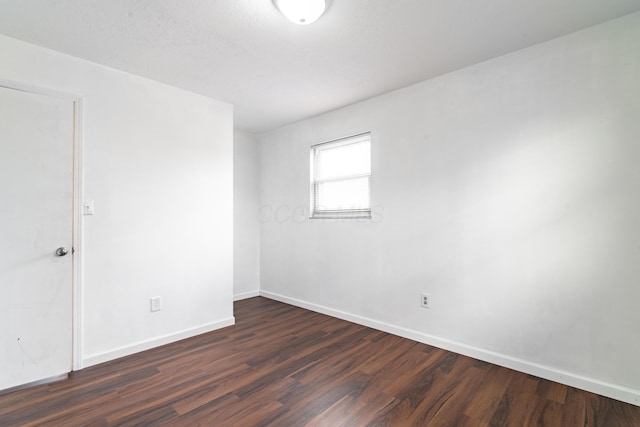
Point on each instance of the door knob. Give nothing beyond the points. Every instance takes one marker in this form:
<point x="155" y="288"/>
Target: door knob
<point x="62" y="251"/>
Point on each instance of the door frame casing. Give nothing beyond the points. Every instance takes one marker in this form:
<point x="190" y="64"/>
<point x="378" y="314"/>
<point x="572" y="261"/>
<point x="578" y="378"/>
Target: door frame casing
<point x="77" y="274"/>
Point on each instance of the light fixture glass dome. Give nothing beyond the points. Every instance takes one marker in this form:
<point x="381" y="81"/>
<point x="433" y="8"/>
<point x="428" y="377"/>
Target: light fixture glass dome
<point x="301" y="12"/>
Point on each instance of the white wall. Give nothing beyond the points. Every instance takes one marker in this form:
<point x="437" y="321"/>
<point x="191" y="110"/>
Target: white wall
<point x="246" y="228"/>
<point x="158" y="163"/>
<point x="509" y="190"/>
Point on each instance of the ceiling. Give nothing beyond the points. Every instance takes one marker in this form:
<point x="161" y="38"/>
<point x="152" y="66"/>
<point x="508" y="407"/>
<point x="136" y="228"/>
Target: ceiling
<point x="274" y="72"/>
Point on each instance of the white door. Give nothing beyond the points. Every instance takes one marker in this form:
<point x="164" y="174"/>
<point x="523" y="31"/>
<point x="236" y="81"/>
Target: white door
<point x="36" y="217"/>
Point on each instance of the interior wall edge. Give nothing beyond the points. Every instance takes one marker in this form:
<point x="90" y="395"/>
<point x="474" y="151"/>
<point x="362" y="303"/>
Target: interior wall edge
<point x="95" y="359"/>
<point x="593" y="385"/>
<point x="245" y="295"/>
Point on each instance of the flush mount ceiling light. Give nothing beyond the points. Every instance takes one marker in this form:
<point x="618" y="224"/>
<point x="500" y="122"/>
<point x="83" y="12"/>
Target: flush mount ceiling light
<point x="301" y="12"/>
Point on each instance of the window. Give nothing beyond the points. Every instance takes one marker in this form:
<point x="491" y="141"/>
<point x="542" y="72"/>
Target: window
<point x="340" y="178"/>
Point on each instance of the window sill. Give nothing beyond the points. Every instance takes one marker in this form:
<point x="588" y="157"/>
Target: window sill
<point x="345" y="215"/>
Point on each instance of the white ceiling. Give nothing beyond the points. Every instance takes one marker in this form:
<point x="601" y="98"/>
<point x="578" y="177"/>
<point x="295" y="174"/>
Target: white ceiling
<point x="246" y="53"/>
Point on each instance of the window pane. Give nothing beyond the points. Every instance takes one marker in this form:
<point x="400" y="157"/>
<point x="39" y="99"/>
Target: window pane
<point x="342" y="161"/>
<point x="341" y="178"/>
<point x="343" y="194"/>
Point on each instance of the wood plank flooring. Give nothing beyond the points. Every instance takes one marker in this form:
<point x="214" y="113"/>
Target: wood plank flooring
<point x="285" y="366"/>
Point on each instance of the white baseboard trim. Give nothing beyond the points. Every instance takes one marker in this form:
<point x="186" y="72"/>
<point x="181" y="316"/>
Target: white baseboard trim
<point x="614" y="391"/>
<point x="245" y="295"/>
<point x="95" y="359"/>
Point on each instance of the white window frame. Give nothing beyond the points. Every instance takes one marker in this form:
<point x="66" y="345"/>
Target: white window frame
<point x="346" y="213"/>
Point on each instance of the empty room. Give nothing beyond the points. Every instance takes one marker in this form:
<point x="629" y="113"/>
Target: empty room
<point x="320" y="213"/>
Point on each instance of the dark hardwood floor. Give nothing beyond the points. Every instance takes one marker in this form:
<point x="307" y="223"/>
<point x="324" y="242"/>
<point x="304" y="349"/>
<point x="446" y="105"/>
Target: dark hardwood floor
<point x="285" y="366"/>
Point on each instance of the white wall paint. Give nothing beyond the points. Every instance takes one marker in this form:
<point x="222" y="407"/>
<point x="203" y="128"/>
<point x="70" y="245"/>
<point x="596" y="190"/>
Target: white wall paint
<point x="246" y="228"/>
<point x="158" y="164"/>
<point x="510" y="191"/>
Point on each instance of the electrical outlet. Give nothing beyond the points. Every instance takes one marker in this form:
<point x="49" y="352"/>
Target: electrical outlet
<point x="155" y="304"/>
<point x="425" y="300"/>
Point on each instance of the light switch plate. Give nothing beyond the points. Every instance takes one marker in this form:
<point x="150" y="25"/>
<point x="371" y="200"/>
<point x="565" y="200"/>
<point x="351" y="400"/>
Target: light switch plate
<point x="87" y="207"/>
